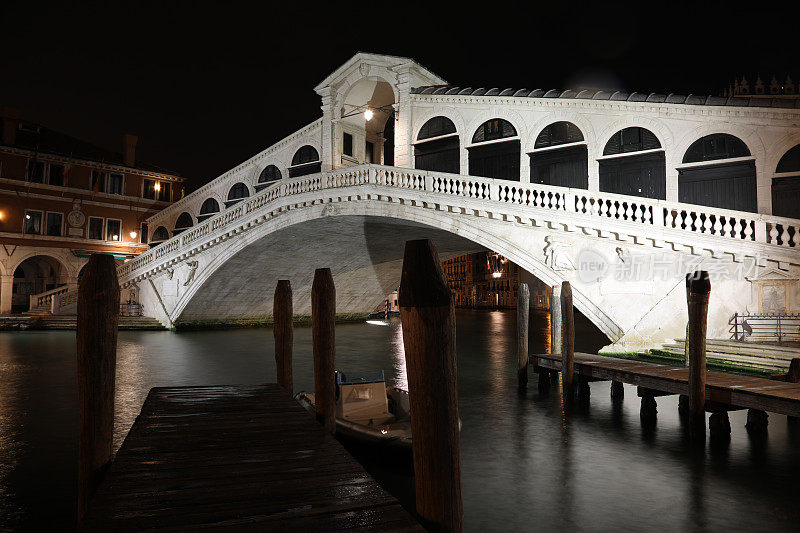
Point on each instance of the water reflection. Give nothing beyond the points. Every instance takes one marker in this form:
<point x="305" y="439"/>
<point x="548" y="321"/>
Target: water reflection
<point x="522" y="455"/>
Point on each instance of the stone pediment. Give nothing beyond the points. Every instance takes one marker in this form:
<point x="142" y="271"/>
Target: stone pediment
<point x="772" y="274"/>
<point x="363" y="65"/>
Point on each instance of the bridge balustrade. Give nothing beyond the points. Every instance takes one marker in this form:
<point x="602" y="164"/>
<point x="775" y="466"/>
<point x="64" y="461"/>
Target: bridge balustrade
<point x="697" y="219"/>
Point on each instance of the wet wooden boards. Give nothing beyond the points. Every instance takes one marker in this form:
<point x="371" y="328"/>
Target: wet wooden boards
<point x="237" y="458"/>
<point x="739" y="391"/>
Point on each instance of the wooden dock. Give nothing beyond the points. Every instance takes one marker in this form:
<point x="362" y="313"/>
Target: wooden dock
<point x="721" y="388"/>
<point x="236" y="458"/>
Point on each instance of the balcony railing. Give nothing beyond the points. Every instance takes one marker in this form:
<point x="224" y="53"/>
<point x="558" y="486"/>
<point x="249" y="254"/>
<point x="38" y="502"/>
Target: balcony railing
<point x="774" y="327"/>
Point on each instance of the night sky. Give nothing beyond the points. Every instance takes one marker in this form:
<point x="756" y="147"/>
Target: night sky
<point x="206" y="86"/>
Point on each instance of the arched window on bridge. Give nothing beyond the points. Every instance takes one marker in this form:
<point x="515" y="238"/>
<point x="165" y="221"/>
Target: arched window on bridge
<point x="495" y="151"/>
<point x="726" y="184"/>
<point x="305" y="161"/>
<point x="560" y="157"/>
<point x="786" y="185"/>
<point x="237" y="192"/>
<point x="209" y="208"/>
<point x="268" y="175"/>
<point x="633" y="163"/>
<point x="437" y="146"/>
<point x="159" y="235"/>
<point x="184" y="221"/>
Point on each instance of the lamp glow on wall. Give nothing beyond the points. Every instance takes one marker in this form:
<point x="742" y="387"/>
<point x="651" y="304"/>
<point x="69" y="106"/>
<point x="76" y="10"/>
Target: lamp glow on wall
<point x="368" y="114"/>
<point x="133" y="234"/>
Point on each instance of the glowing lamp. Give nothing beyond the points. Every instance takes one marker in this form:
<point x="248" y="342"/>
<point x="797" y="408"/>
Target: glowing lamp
<point x="115" y="237"/>
<point x="27" y="216"/>
<point x="368" y="114"/>
<point x="157" y="186"/>
<point x="133" y="234"/>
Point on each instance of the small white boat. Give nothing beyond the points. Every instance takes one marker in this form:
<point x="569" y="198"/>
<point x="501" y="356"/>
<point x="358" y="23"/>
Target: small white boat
<point x="368" y="410"/>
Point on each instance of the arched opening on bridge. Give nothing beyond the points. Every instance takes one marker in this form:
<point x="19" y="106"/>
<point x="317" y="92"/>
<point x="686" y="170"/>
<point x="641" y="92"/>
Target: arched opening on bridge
<point x="633" y="163"/>
<point x="365" y="133"/>
<point x="437" y="146"/>
<point x="725" y="184"/>
<point x="160" y="234"/>
<point x="268" y="175"/>
<point x="184" y="221"/>
<point x="238" y="192"/>
<point x="35" y="275"/>
<point x="786" y="185"/>
<point x="209" y="208"/>
<point x="560" y="157"/>
<point x="305" y="161"/>
<point x="495" y="151"/>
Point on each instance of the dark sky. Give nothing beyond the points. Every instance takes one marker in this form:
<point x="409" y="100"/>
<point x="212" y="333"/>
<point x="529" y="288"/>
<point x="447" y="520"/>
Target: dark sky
<point x="206" y="86"/>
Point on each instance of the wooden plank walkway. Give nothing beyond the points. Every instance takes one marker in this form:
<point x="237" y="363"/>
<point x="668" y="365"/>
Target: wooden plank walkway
<point x="740" y="391"/>
<point x="237" y="458"/>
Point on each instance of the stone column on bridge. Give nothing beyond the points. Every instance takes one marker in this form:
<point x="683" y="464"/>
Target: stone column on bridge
<point x="6" y="290"/>
<point x="327" y="141"/>
<point x="402" y="132"/>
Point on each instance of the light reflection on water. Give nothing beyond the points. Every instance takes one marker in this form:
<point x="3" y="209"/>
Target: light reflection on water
<point x="526" y="465"/>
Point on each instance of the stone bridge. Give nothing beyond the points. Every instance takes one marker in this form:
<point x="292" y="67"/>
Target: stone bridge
<point x="625" y="256"/>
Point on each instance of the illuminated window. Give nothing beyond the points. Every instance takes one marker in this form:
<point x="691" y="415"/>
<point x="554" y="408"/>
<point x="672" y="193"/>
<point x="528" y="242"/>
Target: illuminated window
<point x="113" y="229"/>
<point x="33" y="222"/>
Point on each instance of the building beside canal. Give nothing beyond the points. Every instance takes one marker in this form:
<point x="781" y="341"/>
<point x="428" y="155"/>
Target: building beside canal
<point x="61" y="200"/>
<point x="487" y="280"/>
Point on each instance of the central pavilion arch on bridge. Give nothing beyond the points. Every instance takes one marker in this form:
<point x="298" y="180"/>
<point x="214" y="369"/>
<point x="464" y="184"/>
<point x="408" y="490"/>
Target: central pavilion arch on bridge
<point x="365" y="130"/>
<point x="495" y="151"/>
<point x="437" y="146"/>
<point x="706" y="178"/>
<point x="560" y="157"/>
<point x="634" y="163"/>
<point x="786" y="185"/>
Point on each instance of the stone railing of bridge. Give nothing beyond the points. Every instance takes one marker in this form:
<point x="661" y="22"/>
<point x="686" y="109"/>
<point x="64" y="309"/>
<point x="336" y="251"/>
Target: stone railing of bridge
<point x="683" y="227"/>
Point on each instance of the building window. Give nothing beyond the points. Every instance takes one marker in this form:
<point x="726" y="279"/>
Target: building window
<point x="98" y="180"/>
<point x="149" y="190"/>
<point x="33" y="222"/>
<point x="96" y="228"/>
<point x="54" y="224"/>
<point x="113" y="229"/>
<point x="56" y="174"/>
<point x="164" y="193"/>
<point x="114" y="184"/>
<point x="347" y="144"/>
<point x="160" y="234"/>
<point x="143" y="233"/>
<point x="35" y="171"/>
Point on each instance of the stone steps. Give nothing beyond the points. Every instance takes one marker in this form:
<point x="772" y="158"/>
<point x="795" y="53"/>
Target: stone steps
<point x="125" y="323"/>
<point x="765" y="356"/>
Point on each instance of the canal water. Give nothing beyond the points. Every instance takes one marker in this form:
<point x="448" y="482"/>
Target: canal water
<point x="525" y="465"/>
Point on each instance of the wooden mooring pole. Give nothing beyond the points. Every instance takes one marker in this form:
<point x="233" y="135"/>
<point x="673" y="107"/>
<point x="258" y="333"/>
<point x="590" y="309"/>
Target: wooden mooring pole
<point x="96" y="336"/>
<point x="699" y="290"/>
<point x="555" y="319"/>
<point x="567" y="343"/>
<point x="323" y="331"/>
<point x="283" y="331"/>
<point x="429" y="337"/>
<point x="523" y="310"/>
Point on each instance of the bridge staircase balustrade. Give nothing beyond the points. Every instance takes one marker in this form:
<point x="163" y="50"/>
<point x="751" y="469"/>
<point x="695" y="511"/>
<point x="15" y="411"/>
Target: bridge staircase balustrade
<point x="46" y="302"/>
<point x="596" y="214"/>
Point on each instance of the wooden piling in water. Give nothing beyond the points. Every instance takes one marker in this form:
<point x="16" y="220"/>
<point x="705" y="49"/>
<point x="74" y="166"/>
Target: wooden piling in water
<point x="96" y="336"/>
<point x="617" y="391"/>
<point x="567" y="343"/>
<point x="793" y="375"/>
<point x="323" y="333"/>
<point x="283" y="331"/>
<point x="429" y="329"/>
<point x="523" y="310"/>
<point x="699" y="291"/>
